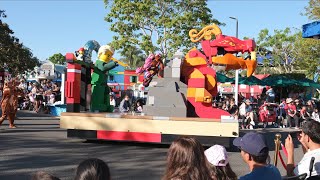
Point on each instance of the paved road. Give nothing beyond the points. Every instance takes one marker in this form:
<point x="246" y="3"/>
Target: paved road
<point x="39" y="144"/>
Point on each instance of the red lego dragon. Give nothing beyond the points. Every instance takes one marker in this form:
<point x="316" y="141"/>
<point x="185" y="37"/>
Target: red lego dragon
<point x="198" y="68"/>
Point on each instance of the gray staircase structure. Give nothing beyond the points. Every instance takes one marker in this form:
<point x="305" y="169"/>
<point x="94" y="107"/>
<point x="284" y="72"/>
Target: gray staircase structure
<point x="168" y="96"/>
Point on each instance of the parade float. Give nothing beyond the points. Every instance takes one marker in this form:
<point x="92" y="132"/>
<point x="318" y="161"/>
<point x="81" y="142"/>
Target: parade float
<point x="179" y="100"/>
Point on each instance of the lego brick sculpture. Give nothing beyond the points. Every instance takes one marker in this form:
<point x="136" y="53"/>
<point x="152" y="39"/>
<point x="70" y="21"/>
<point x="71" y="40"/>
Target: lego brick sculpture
<point x="198" y="69"/>
<point x="79" y="73"/>
<point x="100" y="98"/>
<point x="72" y="87"/>
<point x="153" y="65"/>
<point x="84" y="54"/>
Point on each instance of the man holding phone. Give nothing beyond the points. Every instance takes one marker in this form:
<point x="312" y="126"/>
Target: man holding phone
<point x="310" y="141"/>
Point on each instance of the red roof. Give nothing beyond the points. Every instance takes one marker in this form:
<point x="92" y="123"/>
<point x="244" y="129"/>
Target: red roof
<point x="261" y="76"/>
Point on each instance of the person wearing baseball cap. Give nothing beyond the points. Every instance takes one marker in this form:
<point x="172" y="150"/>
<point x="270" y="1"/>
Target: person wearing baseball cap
<point x="255" y="154"/>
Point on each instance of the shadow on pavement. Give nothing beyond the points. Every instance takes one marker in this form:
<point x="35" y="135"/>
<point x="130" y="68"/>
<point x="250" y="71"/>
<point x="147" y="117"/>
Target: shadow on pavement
<point x="23" y="153"/>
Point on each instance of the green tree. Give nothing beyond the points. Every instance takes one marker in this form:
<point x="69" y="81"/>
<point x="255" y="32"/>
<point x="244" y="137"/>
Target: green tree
<point x="307" y="53"/>
<point x="13" y="54"/>
<point x="133" y="56"/>
<point x="156" y="25"/>
<point x="281" y="46"/>
<point x="313" y="10"/>
<point x="57" y="58"/>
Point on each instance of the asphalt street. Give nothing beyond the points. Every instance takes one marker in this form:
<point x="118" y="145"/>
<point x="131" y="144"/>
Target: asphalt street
<point x="39" y="144"/>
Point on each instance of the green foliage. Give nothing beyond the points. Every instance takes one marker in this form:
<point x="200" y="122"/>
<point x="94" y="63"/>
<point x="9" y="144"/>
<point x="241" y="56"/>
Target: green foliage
<point x="308" y="54"/>
<point x="281" y="46"/>
<point x="133" y="56"/>
<point x="57" y="58"/>
<point x="13" y="54"/>
<point x="289" y="52"/>
<point x="313" y="10"/>
<point x="156" y="25"/>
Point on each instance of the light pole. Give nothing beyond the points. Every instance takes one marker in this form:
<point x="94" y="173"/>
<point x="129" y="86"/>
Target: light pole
<point x="236" y="84"/>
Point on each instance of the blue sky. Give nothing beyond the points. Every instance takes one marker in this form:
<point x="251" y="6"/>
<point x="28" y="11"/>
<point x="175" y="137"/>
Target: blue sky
<point x="49" y="27"/>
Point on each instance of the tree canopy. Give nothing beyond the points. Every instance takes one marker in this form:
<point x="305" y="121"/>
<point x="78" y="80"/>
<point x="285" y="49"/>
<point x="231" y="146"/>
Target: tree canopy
<point x="281" y="45"/>
<point x="307" y="53"/>
<point x="313" y="10"/>
<point x="288" y="52"/>
<point x="13" y="54"/>
<point x="133" y="56"/>
<point x="156" y="25"/>
<point x="57" y="58"/>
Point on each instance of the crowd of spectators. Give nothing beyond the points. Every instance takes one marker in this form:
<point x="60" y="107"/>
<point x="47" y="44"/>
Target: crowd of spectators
<point x="289" y="112"/>
<point x="38" y="95"/>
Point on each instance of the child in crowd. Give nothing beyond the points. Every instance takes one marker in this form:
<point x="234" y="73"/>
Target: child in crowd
<point x="218" y="158"/>
<point x="52" y="99"/>
<point x="315" y="115"/>
<point x="139" y="107"/>
<point x="93" y="169"/>
<point x="264" y="112"/>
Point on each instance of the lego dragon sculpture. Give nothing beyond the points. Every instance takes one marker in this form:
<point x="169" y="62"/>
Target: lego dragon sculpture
<point x="198" y="69"/>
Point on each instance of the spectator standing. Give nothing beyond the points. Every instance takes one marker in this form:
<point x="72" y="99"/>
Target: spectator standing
<point x="112" y="101"/>
<point x="233" y="109"/>
<point x="255" y="154"/>
<point x="310" y="107"/>
<point x="310" y="141"/>
<point x="249" y="115"/>
<point x="186" y="161"/>
<point x="94" y="169"/>
<point x="292" y="113"/>
<point x="29" y="86"/>
<point x="270" y="95"/>
<point x="125" y="104"/>
<point x="23" y="85"/>
<point x="304" y="115"/>
<point x="242" y="113"/>
<point x="218" y="158"/>
<point x="263" y="113"/>
<point x="52" y="99"/>
<point x="282" y="113"/>
<point x="315" y="115"/>
<point x="298" y="106"/>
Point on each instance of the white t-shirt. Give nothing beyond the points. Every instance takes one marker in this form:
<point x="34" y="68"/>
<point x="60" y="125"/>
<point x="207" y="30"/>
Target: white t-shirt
<point x="315" y="116"/>
<point x="112" y="102"/>
<point x="303" y="166"/>
<point x="242" y="109"/>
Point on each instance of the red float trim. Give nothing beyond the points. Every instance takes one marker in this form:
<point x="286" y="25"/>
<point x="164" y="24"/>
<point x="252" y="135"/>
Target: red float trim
<point x="129" y="136"/>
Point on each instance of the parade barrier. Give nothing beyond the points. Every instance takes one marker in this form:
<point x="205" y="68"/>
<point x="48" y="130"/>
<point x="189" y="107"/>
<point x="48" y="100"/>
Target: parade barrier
<point x="277" y="153"/>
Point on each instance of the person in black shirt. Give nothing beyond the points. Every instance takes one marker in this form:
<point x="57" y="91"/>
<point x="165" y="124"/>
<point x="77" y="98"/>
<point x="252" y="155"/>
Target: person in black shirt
<point x="233" y="109"/>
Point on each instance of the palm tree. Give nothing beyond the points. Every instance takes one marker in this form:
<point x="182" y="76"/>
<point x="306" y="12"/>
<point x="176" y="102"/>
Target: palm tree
<point x="133" y="56"/>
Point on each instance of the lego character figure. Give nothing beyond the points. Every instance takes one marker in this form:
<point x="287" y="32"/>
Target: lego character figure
<point x="153" y="65"/>
<point x="8" y="102"/>
<point x="146" y="65"/>
<point x="100" y="99"/>
<point x="80" y="54"/>
<point x="198" y="72"/>
<point x="219" y="52"/>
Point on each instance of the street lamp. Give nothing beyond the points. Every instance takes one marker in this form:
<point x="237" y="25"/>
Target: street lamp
<point x="236" y="25"/>
<point x="236" y="90"/>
